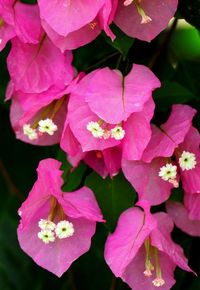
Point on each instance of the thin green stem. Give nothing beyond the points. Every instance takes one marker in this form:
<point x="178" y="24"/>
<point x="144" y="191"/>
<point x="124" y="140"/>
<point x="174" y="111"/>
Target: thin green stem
<point x="9" y="183"/>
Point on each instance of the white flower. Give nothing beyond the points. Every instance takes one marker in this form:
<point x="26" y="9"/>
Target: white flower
<point x="187" y="161"/>
<point x="47" y="126"/>
<point x="117" y="133"/>
<point x="64" y="229"/>
<point x="168" y="172"/>
<point x="95" y="129"/>
<point x="46" y="236"/>
<point x="46" y="225"/>
<point x="30" y="132"/>
<point x="158" y="282"/>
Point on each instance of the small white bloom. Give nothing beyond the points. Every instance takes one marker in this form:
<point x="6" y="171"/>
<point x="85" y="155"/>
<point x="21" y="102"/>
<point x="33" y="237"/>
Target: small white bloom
<point x="30" y="132"/>
<point x="46" y="225"/>
<point x="46" y="236"/>
<point x="47" y="126"/>
<point x="168" y="172"/>
<point x="187" y="161"/>
<point x="158" y="282"/>
<point x="64" y="229"/>
<point x="117" y="133"/>
<point x="95" y="129"/>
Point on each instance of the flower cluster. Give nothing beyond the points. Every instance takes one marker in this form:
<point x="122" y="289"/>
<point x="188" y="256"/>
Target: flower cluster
<point x="102" y="118"/>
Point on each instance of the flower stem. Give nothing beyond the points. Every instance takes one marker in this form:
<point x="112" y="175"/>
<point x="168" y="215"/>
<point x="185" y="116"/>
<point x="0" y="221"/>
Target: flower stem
<point x="9" y="183"/>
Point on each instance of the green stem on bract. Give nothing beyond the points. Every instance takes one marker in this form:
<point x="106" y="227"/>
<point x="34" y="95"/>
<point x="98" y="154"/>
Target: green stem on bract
<point x="9" y="183"/>
<point x="164" y="44"/>
<point x="72" y="280"/>
<point x="101" y="61"/>
<point x="113" y="283"/>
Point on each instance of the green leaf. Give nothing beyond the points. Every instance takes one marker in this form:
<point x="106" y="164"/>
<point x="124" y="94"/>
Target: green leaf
<point x="113" y="195"/>
<point x="171" y="93"/>
<point x="122" y="42"/>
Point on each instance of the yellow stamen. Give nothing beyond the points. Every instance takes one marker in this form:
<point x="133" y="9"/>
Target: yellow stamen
<point x="148" y="265"/>
<point x="1" y="22"/>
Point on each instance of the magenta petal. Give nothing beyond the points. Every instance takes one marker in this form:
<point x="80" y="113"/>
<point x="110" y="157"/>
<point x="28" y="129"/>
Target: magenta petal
<point x="6" y="33"/>
<point x="123" y="96"/>
<point x="181" y="219"/>
<point x="161" y="239"/>
<point x="136" y="279"/>
<point x="164" y="143"/>
<point x="27" y="22"/>
<point x="190" y="178"/>
<point x="45" y="61"/>
<point x="122" y="246"/>
<point x="79" y="115"/>
<point x="74" y="39"/>
<point x="129" y="20"/>
<point x="95" y="160"/>
<point x="146" y="181"/>
<point x="192" y="204"/>
<point x="77" y="12"/>
<point x="138" y="134"/>
<point x="81" y="203"/>
<point x="56" y="257"/>
<point x="48" y="183"/>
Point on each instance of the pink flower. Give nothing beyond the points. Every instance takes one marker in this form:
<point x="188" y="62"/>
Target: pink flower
<point x="183" y="217"/>
<point x="160" y="173"/>
<point x="144" y="19"/>
<point x="44" y="61"/>
<point x="103" y="114"/>
<point x="107" y="161"/>
<point x="141" y="251"/>
<point x="19" y="19"/>
<point x="85" y="20"/>
<point x="59" y="224"/>
<point x="38" y="118"/>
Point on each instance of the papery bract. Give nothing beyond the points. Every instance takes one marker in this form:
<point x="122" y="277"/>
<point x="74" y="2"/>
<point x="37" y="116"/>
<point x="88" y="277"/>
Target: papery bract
<point x="157" y="15"/>
<point x="165" y="141"/>
<point x="32" y="108"/>
<point x="120" y="103"/>
<point x="19" y="19"/>
<point x="103" y="162"/>
<point x="141" y="245"/>
<point x="86" y="19"/>
<point x="181" y="218"/>
<point x="46" y="201"/>
<point x="44" y="61"/>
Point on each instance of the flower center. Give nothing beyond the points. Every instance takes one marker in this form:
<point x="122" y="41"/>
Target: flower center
<point x="187" y="160"/>
<point x="44" y="123"/>
<point x="169" y="173"/>
<point x="49" y="230"/>
<point x="103" y="130"/>
<point x="145" y="18"/>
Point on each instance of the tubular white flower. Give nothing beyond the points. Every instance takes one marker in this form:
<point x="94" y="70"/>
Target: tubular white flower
<point x="158" y="282"/>
<point x="30" y="132"/>
<point x="47" y="126"/>
<point x="95" y="129"/>
<point x="187" y="161"/>
<point x="46" y="225"/>
<point x="46" y="236"/>
<point x="64" y="229"/>
<point x="168" y="172"/>
<point x="117" y="133"/>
